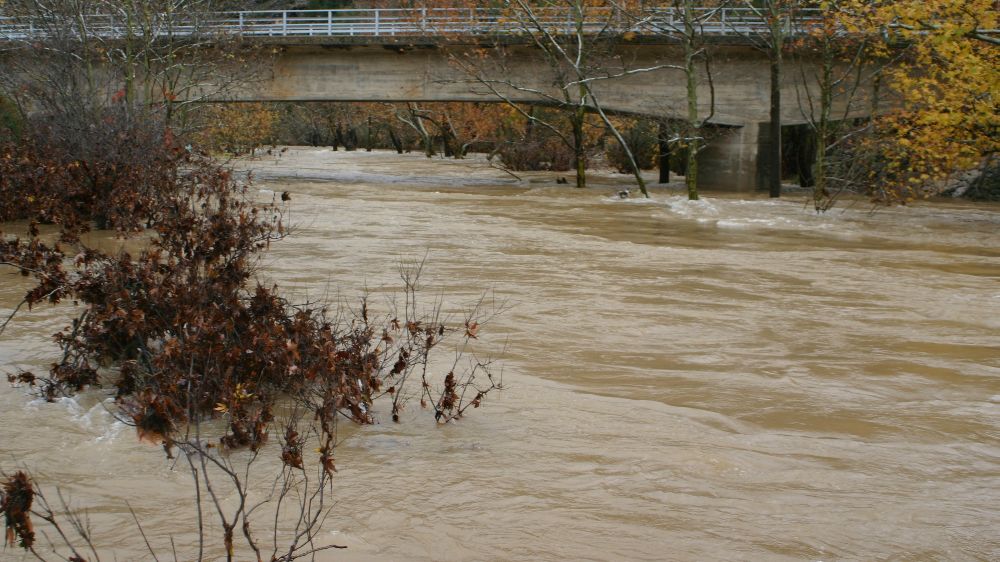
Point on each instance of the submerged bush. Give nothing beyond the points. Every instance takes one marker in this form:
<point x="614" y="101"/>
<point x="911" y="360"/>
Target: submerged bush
<point x="642" y="141"/>
<point x="189" y="330"/>
<point x="537" y="154"/>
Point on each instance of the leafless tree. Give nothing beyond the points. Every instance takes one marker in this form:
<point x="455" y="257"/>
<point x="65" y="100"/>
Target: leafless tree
<point x="684" y="21"/>
<point x="577" y="47"/>
<point x="72" y="59"/>
<point x="838" y="79"/>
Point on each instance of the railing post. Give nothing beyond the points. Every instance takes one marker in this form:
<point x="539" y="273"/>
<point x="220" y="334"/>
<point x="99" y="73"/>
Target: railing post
<point x="376" y="20"/>
<point x="423" y="20"/>
<point x="241" y="22"/>
<point x="329" y="22"/>
<point x="284" y="23"/>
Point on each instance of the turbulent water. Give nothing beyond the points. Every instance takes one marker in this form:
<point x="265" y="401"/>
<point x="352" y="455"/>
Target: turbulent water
<point x="730" y="379"/>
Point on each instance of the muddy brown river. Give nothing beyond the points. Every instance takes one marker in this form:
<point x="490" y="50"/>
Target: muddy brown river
<point x="729" y="379"/>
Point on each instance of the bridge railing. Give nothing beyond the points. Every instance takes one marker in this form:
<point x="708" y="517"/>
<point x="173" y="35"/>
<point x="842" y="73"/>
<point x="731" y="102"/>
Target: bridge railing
<point x="417" y="22"/>
<point x="386" y="22"/>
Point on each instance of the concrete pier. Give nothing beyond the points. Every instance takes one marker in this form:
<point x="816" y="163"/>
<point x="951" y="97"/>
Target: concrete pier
<point x="735" y="160"/>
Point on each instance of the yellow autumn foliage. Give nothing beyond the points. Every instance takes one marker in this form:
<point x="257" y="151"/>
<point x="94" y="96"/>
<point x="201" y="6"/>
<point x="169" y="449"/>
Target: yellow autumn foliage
<point x="945" y="77"/>
<point x="237" y="128"/>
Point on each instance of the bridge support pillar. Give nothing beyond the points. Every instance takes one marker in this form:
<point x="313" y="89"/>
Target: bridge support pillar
<point x="734" y="160"/>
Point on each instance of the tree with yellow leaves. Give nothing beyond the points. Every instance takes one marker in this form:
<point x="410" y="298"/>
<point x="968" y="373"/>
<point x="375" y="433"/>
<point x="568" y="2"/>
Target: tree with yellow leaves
<point x="238" y="128"/>
<point x="946" y="81"/>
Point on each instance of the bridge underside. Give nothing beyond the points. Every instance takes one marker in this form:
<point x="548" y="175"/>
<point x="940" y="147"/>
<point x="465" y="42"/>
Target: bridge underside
<point x="398" y="73"/>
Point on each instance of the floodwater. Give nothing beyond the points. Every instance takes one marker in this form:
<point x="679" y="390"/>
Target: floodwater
<point x="730" y="379"/>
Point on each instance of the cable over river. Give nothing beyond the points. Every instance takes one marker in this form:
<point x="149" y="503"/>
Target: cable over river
<point x="729" y="379"/>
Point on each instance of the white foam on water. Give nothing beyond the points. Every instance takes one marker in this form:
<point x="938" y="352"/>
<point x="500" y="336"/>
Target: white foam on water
<point x="70" y="404"/>
<point x="97" y="419"/>
<point x="98" y="416"/>
<point x="112" y="432"/>
<point x="740" y="224"/>
<point x="632" y="200"/>
<point x="698" y="208"/>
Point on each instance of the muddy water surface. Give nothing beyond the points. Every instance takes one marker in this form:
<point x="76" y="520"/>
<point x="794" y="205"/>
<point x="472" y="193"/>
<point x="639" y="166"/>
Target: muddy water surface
<point x="719" y="380"/>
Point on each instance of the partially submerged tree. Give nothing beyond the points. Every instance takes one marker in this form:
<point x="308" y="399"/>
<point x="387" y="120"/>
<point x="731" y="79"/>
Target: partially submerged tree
<point x="928" y="76"/>
<point x="574" y="40"/>
<point x="842" y="81"/>
<point x="684" y="21"/>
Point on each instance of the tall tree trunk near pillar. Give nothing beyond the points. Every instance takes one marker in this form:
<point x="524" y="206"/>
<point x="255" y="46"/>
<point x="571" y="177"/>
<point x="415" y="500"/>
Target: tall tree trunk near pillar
<point x="774" y="141"/>
<point x="692" y="129"/>
<point x="779" y="14"/>
<point x="663" y="136"/>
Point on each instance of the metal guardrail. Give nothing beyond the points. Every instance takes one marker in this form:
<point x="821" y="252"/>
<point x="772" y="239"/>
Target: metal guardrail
<point x="418" y="22"/>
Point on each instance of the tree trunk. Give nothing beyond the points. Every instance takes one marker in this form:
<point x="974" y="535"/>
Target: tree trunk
<point x="396" y="143"/>
<point x="446" y="144"/>
<point x="368" y="143"/>
<point x="422" y="131"/>
<point x="352" y="139"/>
<point x="691" y="172"/>
<point x="777" y="42"/>
<point x="664" y="160"/>
<point x="693" y="129"/>
<point x="774" y="140"/>
<point x="338" y="138"/>
<point x="579" y="154"/>
<point x="822" y="198"/>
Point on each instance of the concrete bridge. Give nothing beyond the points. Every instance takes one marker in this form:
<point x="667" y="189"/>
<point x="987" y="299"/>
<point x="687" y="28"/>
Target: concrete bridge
<point x="411" y="55"/>
<point x="421" y="73"/>
<point x="415" y="55"/>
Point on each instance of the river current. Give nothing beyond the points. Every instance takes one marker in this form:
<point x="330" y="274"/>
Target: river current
<point x="730" y="379"/>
